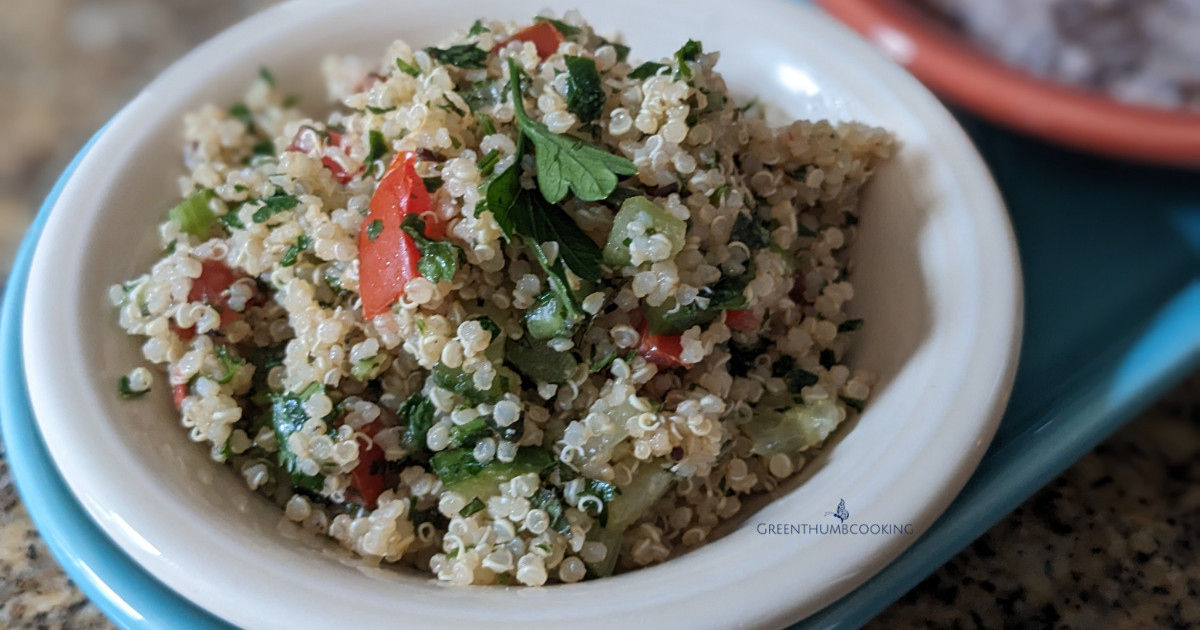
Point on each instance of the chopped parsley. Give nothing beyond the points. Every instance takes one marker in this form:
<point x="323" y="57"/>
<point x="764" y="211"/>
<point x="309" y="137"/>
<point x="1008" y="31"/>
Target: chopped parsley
<point x="477" y="28"/>
<point x="374" y="229"/>
<point x="293" y="252"/>
<point x="690" y="51"/>
<point x="467" y="56"/>
<point x="407" y="68"/>
<point x="126" y="392"/>
<point x="273" y="205"/>
<point x="266" y="76"/>
<point x="474" y="506"/>
<point x="417" y="416"/>
<point x="752" y="233"/>
<point x="585" y="93"/>
<point x="646" y="70"/>
<point x="850" y="325"/>
<point x="230" y="364"/>
<point x="379" y="146"/>
<point x="439" y="259"/>
<point x="566" y="164"/>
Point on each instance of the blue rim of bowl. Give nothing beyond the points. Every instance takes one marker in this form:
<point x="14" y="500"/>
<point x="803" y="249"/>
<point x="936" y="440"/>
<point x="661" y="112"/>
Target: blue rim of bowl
<point x="125" y="592"/>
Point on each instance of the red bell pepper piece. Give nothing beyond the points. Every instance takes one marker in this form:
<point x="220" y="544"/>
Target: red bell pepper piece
<point x="542" y="35"/>
<point x="387" y="257"/>
<point x="743" y="319"/>
<point x="661" y="350"/>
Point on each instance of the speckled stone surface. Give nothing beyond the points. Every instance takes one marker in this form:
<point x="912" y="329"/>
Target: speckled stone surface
<point x="1112" y="543"/>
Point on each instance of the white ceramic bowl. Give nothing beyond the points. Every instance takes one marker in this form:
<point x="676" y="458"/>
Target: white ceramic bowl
<point x="937" y="280"/>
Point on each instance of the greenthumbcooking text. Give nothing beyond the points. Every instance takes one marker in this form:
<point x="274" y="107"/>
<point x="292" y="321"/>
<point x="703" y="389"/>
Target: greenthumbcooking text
<point x="840" y="529"/>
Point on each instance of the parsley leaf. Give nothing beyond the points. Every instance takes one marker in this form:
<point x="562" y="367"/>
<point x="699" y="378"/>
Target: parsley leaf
<point x="266" y="76"/>
<point x="374" y="229"/>
<point x="474" y="506"/>
<point x="477" y="28"/>
<point x="850" y="325"/>
<point x="467" y="56"/>
<point x="690" y="51"/>
<point x="646" y="70"/>
<point x="244" y="115"/>
<point x="432" y="184"/>
<point x="293" y="253"/>
<point x="753" y="234"/>
<point x="125" y="391"/>
<point x="439" y="259"/>
<point x="565" y="163"/>
<point x="230" y="363"/>
<point x="544" y="222"/>
<point x="417" y="415"/>
<point x="273" y="205"/>
<point x="585" y="95"/>
<point x="410" y="69"/>
<point x="567" y="30"/>
<point x="379" y="146"/>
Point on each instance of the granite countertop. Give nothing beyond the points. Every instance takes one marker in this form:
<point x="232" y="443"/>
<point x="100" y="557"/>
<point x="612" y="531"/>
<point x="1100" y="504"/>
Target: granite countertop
<point x="1112" y="542"/>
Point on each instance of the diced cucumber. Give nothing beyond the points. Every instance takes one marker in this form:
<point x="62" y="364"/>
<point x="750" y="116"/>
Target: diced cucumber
<point x="649" y="219"/>
<point x="649" y="484"/>
<point x="463" y="384"/>
<point x="792" y="429"/>
<point x="462" y="473"/>
<point x="193" y="214"/>
<point x="547" y="318"/>
<point x="538" y="361"/>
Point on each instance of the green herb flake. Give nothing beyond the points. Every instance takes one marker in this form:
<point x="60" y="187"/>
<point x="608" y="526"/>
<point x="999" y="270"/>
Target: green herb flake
<point x="474" y="506"/>
<point x="273" y="205"/>
<point x="416" y="414"/>
<point x="439" y="259"/>
<point x="432" y="184"/>
<point x="407" y="68"/>
<point x="266" y="76"/>
<point x="449" y="107"/>
<point x="467" y="56"/>
<point x="380" y="110"/>
<point x="488" y="164"/>
<point x="243" y="114"/>
<point x="690" y="51"/>
<point x="379" y="146"/>
<point x="291" y="100"/>
<point x="293" y="252"/>
<point x="567" y="30"/>
<point x="719" y="195"/>
<point x="171" y="246"/>
<point x="799" y="173"/>
<point x="263" y="147"/>
<point x="374" y="229"/>
<point x="751" y="104"/>
<point x="544" y="222"/>
<point x="646" y="70"/>
<point x="850" y="325"/>
<point x="486" y="126"/>
<point x="856" y="404"/>
<point x="585" y="93"/>
<point x="828" y="358"/>
<point x="477" y="28"/>
<point x="124" y="390"/>
<point x="230" y="364"/>
<point x="750" y="232"/>
<point x="566" y="164"/>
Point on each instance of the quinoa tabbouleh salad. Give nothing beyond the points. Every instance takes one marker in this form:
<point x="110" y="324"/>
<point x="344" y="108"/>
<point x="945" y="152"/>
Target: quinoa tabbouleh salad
<point x="522" y="311"/>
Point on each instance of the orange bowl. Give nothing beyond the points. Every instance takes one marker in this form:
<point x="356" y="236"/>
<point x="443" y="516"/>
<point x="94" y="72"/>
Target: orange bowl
<point x="953" y="67"/>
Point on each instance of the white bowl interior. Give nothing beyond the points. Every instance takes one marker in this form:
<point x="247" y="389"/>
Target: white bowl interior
<point x="936" y="280"/>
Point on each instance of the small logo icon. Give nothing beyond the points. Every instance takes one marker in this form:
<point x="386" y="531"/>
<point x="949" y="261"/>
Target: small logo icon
<point x="842" y="513"/>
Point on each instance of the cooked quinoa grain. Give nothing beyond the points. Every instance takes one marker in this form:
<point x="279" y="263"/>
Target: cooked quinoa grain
<point x="523" y="311"/>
